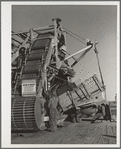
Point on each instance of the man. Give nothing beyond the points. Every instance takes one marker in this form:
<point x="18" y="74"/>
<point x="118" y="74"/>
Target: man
<point x="42" y="106"/>
<point x="42" y="99"/>
<point x="52" y="106"/>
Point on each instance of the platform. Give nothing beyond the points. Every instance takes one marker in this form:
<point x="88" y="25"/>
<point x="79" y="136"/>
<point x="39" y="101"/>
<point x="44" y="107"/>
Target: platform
<point x="101" y="132"/>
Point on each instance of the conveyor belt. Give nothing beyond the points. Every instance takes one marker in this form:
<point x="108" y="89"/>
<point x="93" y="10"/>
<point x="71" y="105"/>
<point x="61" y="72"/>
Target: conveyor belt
<point x="35" y="58"/>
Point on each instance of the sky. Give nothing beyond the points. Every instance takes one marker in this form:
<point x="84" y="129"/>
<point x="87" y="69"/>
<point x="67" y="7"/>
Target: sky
<point x="93" y="22"/>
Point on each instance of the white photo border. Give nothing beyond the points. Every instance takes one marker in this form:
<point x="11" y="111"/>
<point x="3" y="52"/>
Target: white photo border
<point x="6" y="12"/>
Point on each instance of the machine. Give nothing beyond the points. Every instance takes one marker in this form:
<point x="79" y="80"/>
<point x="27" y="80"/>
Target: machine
<point x="40" y="66"/>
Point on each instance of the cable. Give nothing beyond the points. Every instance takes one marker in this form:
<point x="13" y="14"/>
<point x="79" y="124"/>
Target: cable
<point x="76" y="38"/>
<point x="75" y="34"/>
<point x="102" y="81"/>
<point x="100" y="71"/>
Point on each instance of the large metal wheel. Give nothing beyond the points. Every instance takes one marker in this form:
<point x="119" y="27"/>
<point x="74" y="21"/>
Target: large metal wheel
<point x="25" y="113"/>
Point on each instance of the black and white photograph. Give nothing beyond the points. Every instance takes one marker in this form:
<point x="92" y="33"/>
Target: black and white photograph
<point x="60" y="74"/>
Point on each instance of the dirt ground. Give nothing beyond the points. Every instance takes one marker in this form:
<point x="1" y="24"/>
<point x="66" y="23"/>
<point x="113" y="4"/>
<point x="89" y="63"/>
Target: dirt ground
<point x="71" y="133"/>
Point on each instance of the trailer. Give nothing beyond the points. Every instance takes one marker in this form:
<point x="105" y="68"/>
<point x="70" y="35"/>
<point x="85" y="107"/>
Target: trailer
<point x="83" y="99"/>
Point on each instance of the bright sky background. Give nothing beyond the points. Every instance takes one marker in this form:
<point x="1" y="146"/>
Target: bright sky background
<point x="94" y="22"/>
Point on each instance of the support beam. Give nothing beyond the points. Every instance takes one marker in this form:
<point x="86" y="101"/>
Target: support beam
<point x="18" y="33"/>
<point x="17" y="41"/>
<point x="88" y="47"/>
<point x="43" y="28"/>
<point x="82" y="56"/>
<point x="56" y="25"/>
<point x="22" y="45"/>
